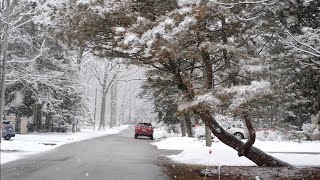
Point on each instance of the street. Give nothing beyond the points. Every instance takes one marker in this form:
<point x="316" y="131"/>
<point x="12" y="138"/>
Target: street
<point x="112" y="157"/>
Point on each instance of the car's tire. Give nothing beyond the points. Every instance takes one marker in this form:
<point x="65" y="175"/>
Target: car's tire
<point x="8" y="137"/>
<point x="135" y="136"/>
<point x="239" y="135"/>
<point x="151" y="137"/>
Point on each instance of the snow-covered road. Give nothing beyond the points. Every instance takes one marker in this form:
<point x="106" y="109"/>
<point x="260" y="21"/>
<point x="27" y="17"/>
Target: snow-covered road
<point x="33" y="143"/>
<point x="111" y="157"/>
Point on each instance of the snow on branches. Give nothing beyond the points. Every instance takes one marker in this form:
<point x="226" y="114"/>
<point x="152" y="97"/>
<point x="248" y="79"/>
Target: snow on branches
<point x="242" y="94"/>
<point x="306" y="44"/>
<point x="207" y="100"/>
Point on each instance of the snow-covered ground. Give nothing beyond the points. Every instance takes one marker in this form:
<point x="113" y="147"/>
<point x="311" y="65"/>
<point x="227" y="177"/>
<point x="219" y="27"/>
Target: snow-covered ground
<point x="28" y="144"/>
<point x="162" y="133"/>
<point x="194" y="151"/>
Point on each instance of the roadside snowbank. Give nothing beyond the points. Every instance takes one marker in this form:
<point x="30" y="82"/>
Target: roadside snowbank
<point x="194" y="151"/>
<point x="28" y="144"/>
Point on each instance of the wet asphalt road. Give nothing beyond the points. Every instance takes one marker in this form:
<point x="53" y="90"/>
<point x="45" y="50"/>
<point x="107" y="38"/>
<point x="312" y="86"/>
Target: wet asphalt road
<point x="112" y="157"/>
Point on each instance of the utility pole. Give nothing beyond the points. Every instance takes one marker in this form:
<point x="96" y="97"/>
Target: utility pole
<point x="4" y="54"/>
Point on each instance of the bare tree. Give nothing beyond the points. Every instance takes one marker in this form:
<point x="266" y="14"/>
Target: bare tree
<point x="4" y="55"/>
<point x="107" y="73"/>
<point x="113" y="105"/>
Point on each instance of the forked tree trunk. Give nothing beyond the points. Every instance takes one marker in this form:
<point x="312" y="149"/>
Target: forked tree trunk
<point x="254" y="154"/>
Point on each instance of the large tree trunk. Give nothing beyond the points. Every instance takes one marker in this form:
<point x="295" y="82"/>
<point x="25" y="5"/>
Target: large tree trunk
<point x="209" y="82"/>
<point x="188" y="124"/>
<point x="102" y="125"/>
<point x="319" y="120"/>
<point x="254" y="154"/>
<point x="48" y="122"/>
<point x="37" y="117"/>
<point x="73" y="128"/>
<point x="113" y="105"/>
<point x="79" y="61"/>
<point x="4" y="55"/>
<point x="208" y="136"/>
<point x="183" y="127"/>
<point x="225" y="41"/>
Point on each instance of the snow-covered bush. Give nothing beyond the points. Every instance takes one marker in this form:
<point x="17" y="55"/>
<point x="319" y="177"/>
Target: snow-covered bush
<point x="315" y="136"/>
<point x="199" y="131"/>
<point x="298" y="136"/>
<point x="271" y="135"/>
<point x="312" y="131"/>
<point x="308" y="128"/>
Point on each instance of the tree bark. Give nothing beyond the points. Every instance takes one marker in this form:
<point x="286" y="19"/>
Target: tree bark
<point x="37" y="117"/>
<point x="102" y="125"/>
<point x="252" y="134"/>
<point x="183" y="127"/>
<point x="113" y="107"/>
<point x="254" y="154"/>
<point x="208" y="85"/>
<point x="4" y="55"/>
<point x="95" y="110"/>
<point x="48" y="122"/>
<point x="225" y="41"/>
<point x="208" y="136"/>
<point x="319" y="120"/>
<point x="188" y="124"/>
<point x="79" y="61"/>
<point x="73" y="129"/>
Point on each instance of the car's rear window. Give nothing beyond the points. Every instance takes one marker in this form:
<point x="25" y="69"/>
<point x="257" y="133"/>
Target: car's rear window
<point x="145" y="124"/>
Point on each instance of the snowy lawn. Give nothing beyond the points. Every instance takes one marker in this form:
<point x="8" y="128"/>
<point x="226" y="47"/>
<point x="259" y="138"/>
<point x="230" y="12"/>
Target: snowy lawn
<point x="194" y="151"/>
<point x="28" y="144"/>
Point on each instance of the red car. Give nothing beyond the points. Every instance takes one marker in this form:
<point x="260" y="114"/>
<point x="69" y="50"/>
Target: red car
<point x="143" y="129"/>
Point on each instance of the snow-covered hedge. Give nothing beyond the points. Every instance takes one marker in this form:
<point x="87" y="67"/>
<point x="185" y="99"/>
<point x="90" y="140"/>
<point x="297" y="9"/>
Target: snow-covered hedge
<point x="271" y="135"/>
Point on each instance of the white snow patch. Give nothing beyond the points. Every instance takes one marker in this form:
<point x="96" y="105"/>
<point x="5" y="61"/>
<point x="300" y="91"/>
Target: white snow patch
<point x="195" y="152"/>
<point x="18" y="100"/>
<point x="185" y="24"/>
<point x="188" y="2"/>
<point x="120" y="29"/>
<point x="185" y="10"/>
<point x="131" y="38"/>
